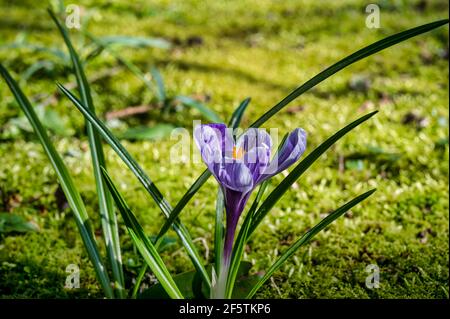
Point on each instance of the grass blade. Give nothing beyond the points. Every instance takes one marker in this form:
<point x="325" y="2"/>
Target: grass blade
<point x="203" y="109"/>
<point x="161" y="90"/>
<point x="219" y="231"/>
<point x="120" y="150"/>
<point x="65" y="180"/>
<point x="352" y="58"/>
<point x="135" y="42"/>
<point x="130" y="65"/>
<point x="145" y="181"/>
<point x="143" y="243"/>
<point x="108" y="216"/>
<point x="60" y="55"/>
<point x="238" y="251"/>
<point x="36" y="67"/>
<point x="236" y="117"/>
<point x="182" y="203"/>
<point x="307" y="237"/>
<point x="279" y="191"/>
<point x="125" y="41"/>
<point x="138" y="282"/>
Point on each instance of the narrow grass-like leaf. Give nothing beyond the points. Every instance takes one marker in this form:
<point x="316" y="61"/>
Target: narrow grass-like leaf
<point x="48" y="118"/>
<point x="238" y="250"/>
<point x="135" y="42"/>
<point x="130" y="65"/>
<point x="106" y="207"/>
<point x="363" y="53"/>
<point x="352" y="58"/>
<point x="189" y="283"/>
<point x="144" y="179"/>
<point x="219" y="231"/>
<point x="182" y="203"/>
<point x="36" y="67"/>
<point x="142" y="242"/>
<point x="308" y="236"/>
<point x="65" y="180"/>
<point x="55" y="52"/>
<point x="161" y="90"/>
<point x="160" y="246"/>
<point x="139" y="279"/>
<point x="203" y="109"/>
<point x="287" y="182"/>
<point x="236" y="117"/>
<point x="120" y="150"/>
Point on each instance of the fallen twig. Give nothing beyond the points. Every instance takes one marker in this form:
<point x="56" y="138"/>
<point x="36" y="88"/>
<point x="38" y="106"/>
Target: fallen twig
<point x="129" y="111"/>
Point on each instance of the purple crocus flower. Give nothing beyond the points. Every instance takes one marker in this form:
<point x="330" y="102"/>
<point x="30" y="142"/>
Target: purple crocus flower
<point x="239" y="166"/>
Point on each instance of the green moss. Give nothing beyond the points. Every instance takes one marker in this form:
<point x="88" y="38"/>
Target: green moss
<point x="261" y="49"/>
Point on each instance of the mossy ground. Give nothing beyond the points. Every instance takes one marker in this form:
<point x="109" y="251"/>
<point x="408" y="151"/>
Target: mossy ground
<point x="262" y="49"/>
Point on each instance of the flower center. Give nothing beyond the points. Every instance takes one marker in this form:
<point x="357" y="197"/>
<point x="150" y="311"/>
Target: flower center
<point x="238" y="152"/>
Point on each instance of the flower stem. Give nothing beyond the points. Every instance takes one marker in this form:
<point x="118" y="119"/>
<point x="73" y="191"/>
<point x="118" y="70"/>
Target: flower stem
<point x="219" y="290"/>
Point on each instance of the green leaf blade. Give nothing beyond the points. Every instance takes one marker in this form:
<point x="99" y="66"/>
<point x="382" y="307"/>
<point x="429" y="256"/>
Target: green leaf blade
<point x="237" y="115"/>
<point x="65" y="180"/>
<point x="108" y="216"/>
<point x="307" y="237"/>
<point x="182" y="203"/>
<point x="298" y="171"/>
<point x="203" y="109"/>
<point x="142" y="242"/>
<point x="135" y="42"/>
<point x="352" y="58"/>
<point x="144" y="179"/>
<point x="103" y="46"/>
<point x="219" y="231"/>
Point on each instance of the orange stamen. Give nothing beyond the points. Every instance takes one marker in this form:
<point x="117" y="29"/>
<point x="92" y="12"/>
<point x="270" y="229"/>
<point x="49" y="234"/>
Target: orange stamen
<point x="238" y="152"/>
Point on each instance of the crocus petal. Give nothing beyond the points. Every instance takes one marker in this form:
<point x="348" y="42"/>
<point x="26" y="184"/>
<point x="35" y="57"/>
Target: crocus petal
<point x="257" y="160"/>
<point x="212" y="140"/>
<point x="292" y="149"/>
<point x="254" y="137"/>
<point x="235" y="176"/>
<point x="225" y="134"/>
<point x="256" y="145"/>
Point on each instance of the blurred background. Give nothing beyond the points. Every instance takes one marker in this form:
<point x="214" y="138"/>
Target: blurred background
<point x="157" y="65"/>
